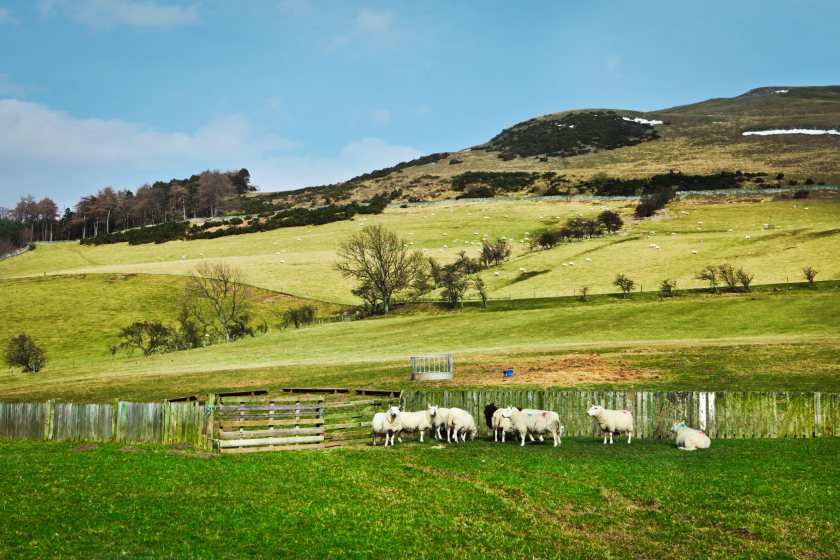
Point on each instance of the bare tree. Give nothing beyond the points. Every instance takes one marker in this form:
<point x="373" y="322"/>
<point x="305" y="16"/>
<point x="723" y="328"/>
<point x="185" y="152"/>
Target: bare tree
<point x="668" y="287"/>
<point x="809" y="273"/>
<point x="744" y="278"/>
<point x="729" y="276"/>
<point x="710" y="275"/>
<point x="381" y="262"/>
<point x="219" y="299"/>
<point x="213" y="189"/>
<point x="624" y="283"/>
<point x="481" y="288"/>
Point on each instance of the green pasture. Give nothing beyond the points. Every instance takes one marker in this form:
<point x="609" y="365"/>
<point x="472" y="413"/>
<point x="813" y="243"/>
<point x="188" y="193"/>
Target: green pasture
<point x="299" y="261"/>
<point x="739" y="499"/>
<point x="793" y="331"/>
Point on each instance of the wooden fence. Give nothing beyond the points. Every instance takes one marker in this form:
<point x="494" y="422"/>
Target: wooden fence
<point x="720" y="414"/>
<point x="161" y="422"/>
<point x="246" y="424"/>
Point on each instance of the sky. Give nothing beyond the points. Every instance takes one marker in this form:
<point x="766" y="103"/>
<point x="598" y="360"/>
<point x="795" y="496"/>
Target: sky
<point x="119" y="93"/>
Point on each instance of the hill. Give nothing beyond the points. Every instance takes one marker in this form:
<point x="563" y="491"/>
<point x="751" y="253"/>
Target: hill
<point x="561" y="153"/>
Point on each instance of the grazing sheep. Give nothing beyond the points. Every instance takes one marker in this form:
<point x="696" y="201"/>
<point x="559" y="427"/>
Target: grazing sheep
<point x="529" y="421"/>
<point x="460" y="422"/>
<point x="413" y="422"/>
<point x="439" y="417"/>
<point x="613" y="422"/>
<point x="689" y="439"/>
<point x="386" y="424"/>
<point x="498" y="423"/>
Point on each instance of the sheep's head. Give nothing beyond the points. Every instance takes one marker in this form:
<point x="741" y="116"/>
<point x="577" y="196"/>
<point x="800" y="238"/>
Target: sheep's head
<point x="561" y="431"/>
<point x="595" y="410"/>
<point x="677" y="426"/>
<point x="506" y="412"/>
<point x="394" y="411"/>
<point x="433" y="410"/>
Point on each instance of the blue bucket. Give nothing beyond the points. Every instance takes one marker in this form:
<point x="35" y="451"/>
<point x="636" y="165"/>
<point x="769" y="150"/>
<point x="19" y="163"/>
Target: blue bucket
<point x="507" y="372"/>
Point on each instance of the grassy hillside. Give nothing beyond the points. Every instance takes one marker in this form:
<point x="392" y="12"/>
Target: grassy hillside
<point x="563" y="343"/>
<point x="299" y="261"/>
<point x="740" y="499"/>
<point x="701" y="138"/>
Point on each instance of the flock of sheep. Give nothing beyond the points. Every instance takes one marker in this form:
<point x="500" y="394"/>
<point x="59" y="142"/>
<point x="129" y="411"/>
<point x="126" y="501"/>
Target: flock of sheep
<point x="521" y="422"/>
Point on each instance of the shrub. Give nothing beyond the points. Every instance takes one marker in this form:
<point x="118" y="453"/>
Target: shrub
<point x="147" y="336"/>
<point x="455" y="285"/>
<point x="729" y="276"/>
<point x="298" y="316"/>
<point x="809" y="273"/>
<point x="801" y="193"/>
<point x="650" y="203"/>
<point x="668" y="288"/>
<point x="744" y="279"/>
<point x="624" y="283"/>
<point x="584" y="293"/>
<point x="481" y="288"/>
<point x="547" y="240"/>
<point x="611" y="221"/>
<point x="710" y="275"/>
<point x="21" y="351"/>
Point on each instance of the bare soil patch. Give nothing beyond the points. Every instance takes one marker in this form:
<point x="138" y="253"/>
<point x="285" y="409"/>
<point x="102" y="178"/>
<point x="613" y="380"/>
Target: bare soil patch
<point x="562" y="370"/>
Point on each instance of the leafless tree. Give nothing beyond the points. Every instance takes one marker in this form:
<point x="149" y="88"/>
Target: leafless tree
<point x="213" y="189"/>
<point x="710" y="275"/>
<point x="809" y="273"/>
<point x="219" y="300"/>
<point x="381" y="262"/>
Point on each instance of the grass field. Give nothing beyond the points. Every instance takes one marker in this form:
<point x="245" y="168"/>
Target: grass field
<point x="694" y="341"/>
<point x="800" y="237"/>
<point x="740" y="499"/>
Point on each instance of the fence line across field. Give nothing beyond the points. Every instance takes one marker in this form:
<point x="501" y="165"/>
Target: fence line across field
<point x="289" y="421"/>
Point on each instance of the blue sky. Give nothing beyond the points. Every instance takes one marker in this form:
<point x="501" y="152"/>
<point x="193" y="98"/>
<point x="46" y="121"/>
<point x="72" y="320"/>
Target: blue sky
<point x="301" y="92"/>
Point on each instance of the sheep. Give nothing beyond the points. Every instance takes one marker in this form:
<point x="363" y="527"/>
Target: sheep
<point x="460" y="422"/>
<point x="439" y="417"/>
<point x="613" y="422"/>
<point x="498" y="423"/>
<point x="529" y="421"/>
<point x="416" y="422"/>
<point x="386" y="424"/>
<point x="689" y="439"/>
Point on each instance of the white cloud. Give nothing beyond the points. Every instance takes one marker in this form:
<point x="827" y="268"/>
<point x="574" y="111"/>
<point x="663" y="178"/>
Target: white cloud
<point x="381" y="116"/>
<point x="6" y="16"/>
<point x="52" y="153"/>
<point x="107" y="14"/>
<point x="369" y="26"/>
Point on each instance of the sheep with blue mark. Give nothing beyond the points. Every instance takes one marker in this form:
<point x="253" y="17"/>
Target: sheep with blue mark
<point x="689" y="439"/>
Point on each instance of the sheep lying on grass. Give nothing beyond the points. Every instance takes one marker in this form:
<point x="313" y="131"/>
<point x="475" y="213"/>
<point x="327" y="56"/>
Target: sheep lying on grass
<point x="529" y="421"/>
<point x="689" y="439"/>
<point x="439" y="417"/>
<point x="613" y="422"/>
<point x="460" y="422"/>
<point x="413" y="422"/>
<point x="386" y="424"/>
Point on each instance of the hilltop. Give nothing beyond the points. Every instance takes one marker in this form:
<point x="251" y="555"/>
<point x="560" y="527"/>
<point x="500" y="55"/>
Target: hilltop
<point x="585" y="151"/>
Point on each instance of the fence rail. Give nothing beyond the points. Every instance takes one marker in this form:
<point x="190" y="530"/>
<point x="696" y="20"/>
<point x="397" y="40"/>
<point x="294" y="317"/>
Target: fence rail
<point x="721" y="414"/>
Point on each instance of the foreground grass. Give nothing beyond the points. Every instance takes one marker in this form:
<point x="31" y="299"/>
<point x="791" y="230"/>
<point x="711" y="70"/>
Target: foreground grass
<point x="741" y="499"/>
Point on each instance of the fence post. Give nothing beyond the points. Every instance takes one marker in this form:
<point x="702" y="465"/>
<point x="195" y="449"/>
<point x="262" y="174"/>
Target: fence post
<point x="209" y="416"/>
<point x="115" y="414"/>
<point x="49" y="420"/>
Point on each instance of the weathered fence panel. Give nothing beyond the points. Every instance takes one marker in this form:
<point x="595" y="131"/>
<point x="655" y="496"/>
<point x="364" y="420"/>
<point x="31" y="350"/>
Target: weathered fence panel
<point x="347" y="419"/>
<point x="722" y="415"/>
<point x="118" y="421"/>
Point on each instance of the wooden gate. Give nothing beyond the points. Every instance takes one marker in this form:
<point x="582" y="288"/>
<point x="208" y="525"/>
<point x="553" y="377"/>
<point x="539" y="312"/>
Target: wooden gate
<point x="266" y="423"/>
<point x="246" y="424"/>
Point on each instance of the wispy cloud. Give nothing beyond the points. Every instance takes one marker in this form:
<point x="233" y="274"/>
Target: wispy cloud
<point x="52" y="153"/>
<point x="107" y="14"/>
<point x="613" y="62"/>
<point x="381" y="116"/>
<point x="7" y="17"/>
<point x="296" y="7"/>
<point x="10" y="88"/>
<point x="369" y="26"/>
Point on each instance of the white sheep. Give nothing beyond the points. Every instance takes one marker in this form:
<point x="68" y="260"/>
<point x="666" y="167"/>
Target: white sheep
<point x="386" y="424"/>
<point x="460" y="422"/>
<point x="439" y="417"/>
<point x="689" y="439"/>
<point x="530" y="421"/>
<point x="413" y="422"/>
<point x="613" y="422"/>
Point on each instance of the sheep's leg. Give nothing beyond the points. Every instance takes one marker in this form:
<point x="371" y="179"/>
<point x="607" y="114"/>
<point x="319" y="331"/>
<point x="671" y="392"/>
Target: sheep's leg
<point x="605" y="438"/>
<point x="523" y="441"/>
<point x="421" y="436"/>
<point x="541" y="438"/>
<point x="611" y="438"/>
<point x="503" y="435"/>
<point x="532" y="438"/>
<point x="629" y="436"/>
<point x="555" y="439"/>
<point x="374" y="440"/>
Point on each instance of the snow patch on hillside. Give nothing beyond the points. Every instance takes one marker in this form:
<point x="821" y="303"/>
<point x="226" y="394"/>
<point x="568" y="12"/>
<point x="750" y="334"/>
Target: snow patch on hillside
<point x="641" y="120"/>
<point x="809" y="131"/>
